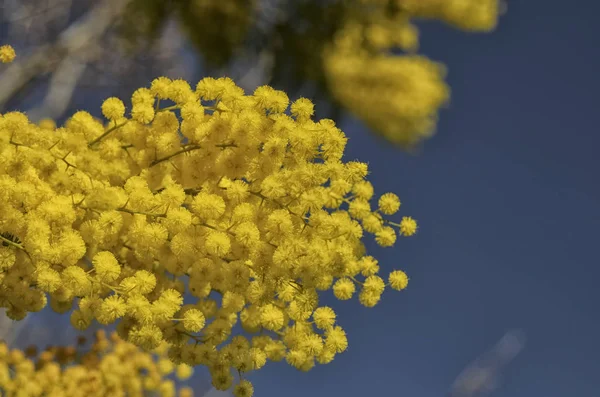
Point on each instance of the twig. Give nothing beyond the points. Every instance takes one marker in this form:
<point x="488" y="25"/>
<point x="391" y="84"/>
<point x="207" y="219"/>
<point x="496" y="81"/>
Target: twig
<point x="45" y="58"/>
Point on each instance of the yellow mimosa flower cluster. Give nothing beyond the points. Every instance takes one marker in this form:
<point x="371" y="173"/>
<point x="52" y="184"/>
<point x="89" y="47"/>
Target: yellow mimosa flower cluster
<point x="206" y="192"/>
<point x="396" y="95"/>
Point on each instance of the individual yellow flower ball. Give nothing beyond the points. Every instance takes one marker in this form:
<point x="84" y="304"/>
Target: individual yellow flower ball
<point x="302" y="109"/>
<point x="80" y="320"/>
<point x="372" y="223"/>
<point x="326" y="356"/>
<point x="336" y="339"/>
<point x="324" y="317"/>
<point x="147" y="336"/>
<point x="145" y="281"/>
<point x="7" y="54"/>
<point x="142" y="96"/>
<point x="184" y="371"/>
<point x="7" y="258"/>
<point x="166" y="388"/>
<point x="143" y="113"/>
<point x="222" y="380"/>
<point x="113" y="108"/>
<point x="369" y="266"/>
<point x="171" y="297"/>
<point x="243" y="389"/>
<point x="369" y="298"/>
<point x="398" y="280"/>
<point x="272" y="318"/>
<point x="111" y="309"/>
<point x="180" y="92"/>
<point x="343" y="289"/>
<point x="218" y="244"/>
<point x="270" y="99"/>
<point x="374" y="283"/>
<point x="161" y="87"/>
<point x="77" y="280"/>
<point x="106" y="266"/>
<point x="363" y="190"/>
<point x="407" y="37"/>
<point x="248" y="234"/>
<point x="386" y="237"/>
<point x="193" y="320"/>
<point x="186" y="392"/>
<point x="389" y="203"/>
<point x="48" y="280"/>
<point x="296" y="358"/>
<point x="408" y="226"/>
<point x="165" y="366"/>
<point x="208" y="206"/>
<point x="47" y="124"/>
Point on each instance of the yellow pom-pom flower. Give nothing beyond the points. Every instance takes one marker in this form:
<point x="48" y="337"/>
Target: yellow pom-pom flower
<point x="208" y="206"/>
<point x="7" y="53"/>
<point x="243" y="389"/>
<point x="193" y="320"/>
<point x="48" y="280"/>
<point x="218" y="244"/>
<point x="385" y="237"/>
<point x="184" y="371"/>
<point x="145" y="281"/>
<point x="343" y="289"/>
<point x="324" y="317"/>
<point x="111" y="309"/>
<point x="113" y="108"/>
<point x="302" y="109"/>
<point x="398" y="280"/>
<point x="408" y="226"/>
<point x="271" y="318"/>
<point x="106" y="266"/>
<point x="389" y="203"/>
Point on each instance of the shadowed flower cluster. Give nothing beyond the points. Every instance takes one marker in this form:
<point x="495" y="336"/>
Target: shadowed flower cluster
<point x="110" y="367"/>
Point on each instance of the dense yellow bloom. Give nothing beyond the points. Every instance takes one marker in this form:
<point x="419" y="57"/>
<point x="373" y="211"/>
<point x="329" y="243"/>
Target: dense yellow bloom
<point x="257" y="211"/>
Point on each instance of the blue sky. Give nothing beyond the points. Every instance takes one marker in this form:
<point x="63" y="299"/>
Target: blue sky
<point x="508" y="202"/>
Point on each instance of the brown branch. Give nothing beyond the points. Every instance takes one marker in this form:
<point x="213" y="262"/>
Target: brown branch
<point x="45" y="58"/>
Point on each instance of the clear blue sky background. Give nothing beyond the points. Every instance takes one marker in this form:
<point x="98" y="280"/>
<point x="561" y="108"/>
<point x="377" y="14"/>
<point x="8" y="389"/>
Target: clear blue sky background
<point x="508" y="201"/>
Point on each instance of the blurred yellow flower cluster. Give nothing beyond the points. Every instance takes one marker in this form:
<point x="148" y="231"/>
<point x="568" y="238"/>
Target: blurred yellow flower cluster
<point x="110" y="367"/>
<point x="398" y="96"/>
<point x="216" y="27"/>
<point x="204" y="191"/>
<point x="470" y="15"/>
